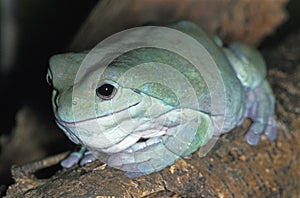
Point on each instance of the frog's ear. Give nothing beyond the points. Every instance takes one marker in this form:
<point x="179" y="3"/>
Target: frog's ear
<point x="64" y="67"/>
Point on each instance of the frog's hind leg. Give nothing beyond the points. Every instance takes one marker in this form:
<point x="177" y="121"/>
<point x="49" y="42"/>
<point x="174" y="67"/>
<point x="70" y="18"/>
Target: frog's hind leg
<point x="250" y="69"/>
<point x="260" y="108"/>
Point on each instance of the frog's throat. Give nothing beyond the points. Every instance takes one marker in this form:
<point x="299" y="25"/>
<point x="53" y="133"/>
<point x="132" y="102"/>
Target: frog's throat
<point x="74" y="123"/>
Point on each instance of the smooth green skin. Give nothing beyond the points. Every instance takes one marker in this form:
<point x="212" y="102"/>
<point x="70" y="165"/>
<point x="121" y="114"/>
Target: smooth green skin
<point x="152" y="110"/>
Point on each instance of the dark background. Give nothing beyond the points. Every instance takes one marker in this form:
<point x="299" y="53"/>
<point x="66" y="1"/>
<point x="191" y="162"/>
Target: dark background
<point x="44" y="28"/>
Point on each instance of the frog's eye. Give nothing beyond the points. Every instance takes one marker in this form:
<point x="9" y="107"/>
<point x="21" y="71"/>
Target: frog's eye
<point x="106" y="91"/>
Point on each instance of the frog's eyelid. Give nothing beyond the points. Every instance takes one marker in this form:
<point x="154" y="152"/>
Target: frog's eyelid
<point x="113" y="83"/>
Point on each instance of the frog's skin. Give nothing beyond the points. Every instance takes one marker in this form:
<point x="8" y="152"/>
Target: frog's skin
<point x="156" y="132"/>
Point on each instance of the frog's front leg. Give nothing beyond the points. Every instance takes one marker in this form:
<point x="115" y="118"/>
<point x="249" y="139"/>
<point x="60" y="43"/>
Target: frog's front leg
<point x="83" y="155"/>
<point x="259" y="105"/>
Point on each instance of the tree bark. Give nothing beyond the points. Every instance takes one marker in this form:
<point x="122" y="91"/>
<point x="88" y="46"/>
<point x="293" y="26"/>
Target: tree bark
<point x="232" y="20"/>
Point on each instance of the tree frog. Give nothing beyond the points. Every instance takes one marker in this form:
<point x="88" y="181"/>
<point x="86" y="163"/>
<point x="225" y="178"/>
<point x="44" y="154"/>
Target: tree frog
<point x="150" y="96"/>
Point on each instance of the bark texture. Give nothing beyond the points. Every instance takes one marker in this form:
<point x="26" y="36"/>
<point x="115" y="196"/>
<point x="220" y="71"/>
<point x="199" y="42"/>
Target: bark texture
<point x="232" y="20"/>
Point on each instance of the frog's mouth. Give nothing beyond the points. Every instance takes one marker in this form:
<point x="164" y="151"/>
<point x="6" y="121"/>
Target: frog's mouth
<point x="73" y="124"/>
<point x="135" y="141"/>
<point x="69" y="127"/>
<point x="132" y="142"/>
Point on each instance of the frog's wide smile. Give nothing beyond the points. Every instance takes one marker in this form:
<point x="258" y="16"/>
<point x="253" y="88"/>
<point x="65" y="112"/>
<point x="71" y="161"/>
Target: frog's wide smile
<point x="74" y="123"/>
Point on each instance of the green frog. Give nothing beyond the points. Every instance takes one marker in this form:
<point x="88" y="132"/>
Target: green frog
<point x="148" y="96"/>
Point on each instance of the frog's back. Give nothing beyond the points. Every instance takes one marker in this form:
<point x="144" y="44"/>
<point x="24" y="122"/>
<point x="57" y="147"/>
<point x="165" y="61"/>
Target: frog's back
<point x="233" y="89"/>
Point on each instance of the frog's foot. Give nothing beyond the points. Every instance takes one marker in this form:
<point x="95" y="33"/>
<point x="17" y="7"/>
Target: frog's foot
<point x="82" y="157"/>
<point x="260" y="108"/>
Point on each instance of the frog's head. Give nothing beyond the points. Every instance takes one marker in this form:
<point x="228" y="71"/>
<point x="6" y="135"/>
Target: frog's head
<point x="110" y="109"/>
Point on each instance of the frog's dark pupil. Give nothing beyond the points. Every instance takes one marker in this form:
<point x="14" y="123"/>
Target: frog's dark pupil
<point x="105" y="91"/>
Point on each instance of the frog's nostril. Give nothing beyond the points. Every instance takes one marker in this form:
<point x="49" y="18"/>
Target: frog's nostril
<point x="74" y="102"/>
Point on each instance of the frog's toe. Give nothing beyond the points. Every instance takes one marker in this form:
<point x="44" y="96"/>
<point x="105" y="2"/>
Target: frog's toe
<point x="259" y="116"/>
<point x="256" y="130"/>
<point x="271" y="129"/>
<point x="71" y="160"/>
<point x="254" y="133"/>
<point x="87" y="158"/>
<point x="252" y="138"/>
